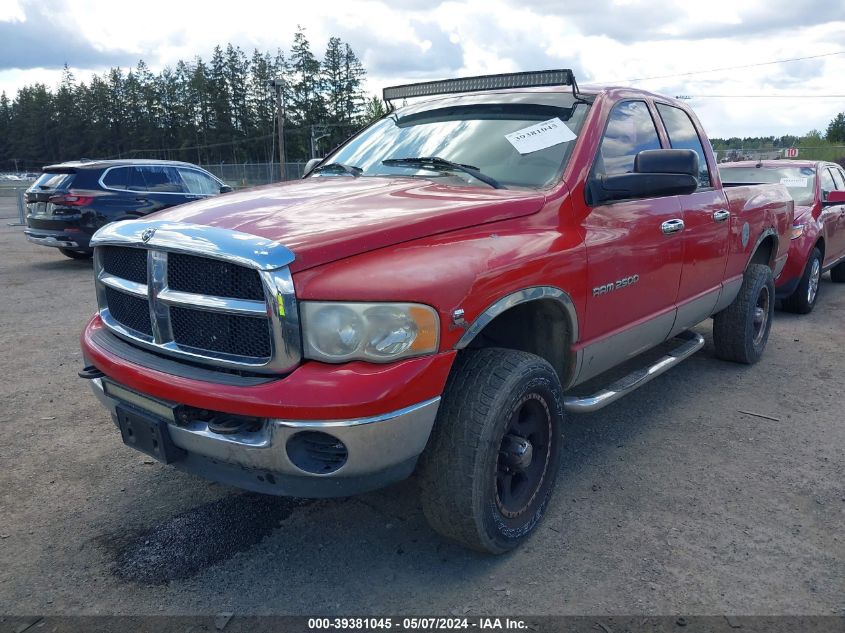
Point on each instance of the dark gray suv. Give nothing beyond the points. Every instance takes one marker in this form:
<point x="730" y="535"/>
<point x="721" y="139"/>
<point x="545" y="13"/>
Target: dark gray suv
<point x="70" y="201"/>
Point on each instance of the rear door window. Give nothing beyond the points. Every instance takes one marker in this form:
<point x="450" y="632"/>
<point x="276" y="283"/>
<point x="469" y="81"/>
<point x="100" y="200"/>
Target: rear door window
<point x="837" y="179"/>
<point x="117" y="178"/>
<point x="199" y="183"/>
<point x="135" y="180"/>
<point x="827" y="183"/>
<point x="162" y="179"/>
<point x="682" y="135"/>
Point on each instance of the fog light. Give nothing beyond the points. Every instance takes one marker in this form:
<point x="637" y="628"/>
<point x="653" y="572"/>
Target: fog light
<point x="316" y="452"/>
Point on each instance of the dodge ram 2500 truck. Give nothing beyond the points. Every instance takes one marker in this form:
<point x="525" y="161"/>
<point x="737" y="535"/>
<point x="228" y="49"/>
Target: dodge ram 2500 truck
<point x="427" y="297"/>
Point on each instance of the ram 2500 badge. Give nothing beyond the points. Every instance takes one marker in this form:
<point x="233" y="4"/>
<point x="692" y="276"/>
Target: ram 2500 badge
<point x="430" y="295"/>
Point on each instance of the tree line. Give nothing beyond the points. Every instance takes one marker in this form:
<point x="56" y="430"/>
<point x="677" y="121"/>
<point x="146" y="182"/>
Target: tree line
<point x="217" y="111"/>
<point x="812" y="145"/>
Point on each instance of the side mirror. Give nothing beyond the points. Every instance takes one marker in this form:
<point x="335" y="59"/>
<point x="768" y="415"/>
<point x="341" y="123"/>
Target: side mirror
<point x="226" y="189"/>
<point x="834" y="197"/>
<point x="657" y="172"/>
<point x="310" y="165"/>
<point x="667" y="161"/>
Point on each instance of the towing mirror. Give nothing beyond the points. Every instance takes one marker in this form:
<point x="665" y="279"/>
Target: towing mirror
<point x="657" y="172"/>
<point x="834" y="197"/>
<point x="310" y="165"/>
<point x="666" y="161"/>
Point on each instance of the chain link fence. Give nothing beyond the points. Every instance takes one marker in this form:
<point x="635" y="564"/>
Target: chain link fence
<point x="241" y="175"/>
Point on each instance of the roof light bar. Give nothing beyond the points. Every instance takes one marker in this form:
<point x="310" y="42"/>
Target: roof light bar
<point x="530" y="79"/>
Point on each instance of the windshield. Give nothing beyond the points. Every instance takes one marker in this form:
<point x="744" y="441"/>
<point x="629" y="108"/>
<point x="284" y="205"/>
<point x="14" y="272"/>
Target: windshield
<point x="800" y="181"/>
<point x="475" y="135"/>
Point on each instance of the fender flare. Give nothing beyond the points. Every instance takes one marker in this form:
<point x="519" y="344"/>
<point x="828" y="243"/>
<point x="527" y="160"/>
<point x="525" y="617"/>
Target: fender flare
<point x="766" y="233"/>
<point x="526" y="295"/>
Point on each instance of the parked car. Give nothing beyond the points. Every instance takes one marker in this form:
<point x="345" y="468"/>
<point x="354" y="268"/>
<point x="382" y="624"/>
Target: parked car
<point x="70" y="201"/>
<point x="818" y="232"/>
<point x="432" y="295"/>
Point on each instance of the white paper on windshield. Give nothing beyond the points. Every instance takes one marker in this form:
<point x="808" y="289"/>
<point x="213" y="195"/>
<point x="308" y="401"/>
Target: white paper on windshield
<point x="540" y="136"/>
<point x="794" y="182"/>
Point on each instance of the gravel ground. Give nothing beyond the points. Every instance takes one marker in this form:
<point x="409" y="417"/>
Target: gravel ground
<point x="671" y="501"/>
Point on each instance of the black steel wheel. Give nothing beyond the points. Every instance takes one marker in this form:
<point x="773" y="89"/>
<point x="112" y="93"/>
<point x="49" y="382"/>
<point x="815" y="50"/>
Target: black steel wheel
<point x="489" y="469"/>
<point x="524" y="454"/>
<point x="741" y="330"/>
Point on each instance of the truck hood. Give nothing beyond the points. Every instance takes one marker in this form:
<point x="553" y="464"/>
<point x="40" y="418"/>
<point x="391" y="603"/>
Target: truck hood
<point x="326" y="219"/>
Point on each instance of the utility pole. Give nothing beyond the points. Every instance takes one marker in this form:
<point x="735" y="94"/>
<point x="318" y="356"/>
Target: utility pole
<point x="279" y="85"/>
<point x="318" y="133"/>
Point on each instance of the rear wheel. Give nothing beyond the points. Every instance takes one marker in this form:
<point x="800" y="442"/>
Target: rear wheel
<point x="741" y="330"/>
<point x="76" y="254"/>
<point x="837" y="273"/>
<point x="804" y="298"/>
<point x="490" y="466"/>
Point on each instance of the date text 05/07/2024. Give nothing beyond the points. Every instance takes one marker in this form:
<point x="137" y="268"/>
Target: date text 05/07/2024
<point x="417" y="624"/>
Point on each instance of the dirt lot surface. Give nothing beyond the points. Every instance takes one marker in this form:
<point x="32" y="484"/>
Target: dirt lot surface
<point x="670" y="501"/>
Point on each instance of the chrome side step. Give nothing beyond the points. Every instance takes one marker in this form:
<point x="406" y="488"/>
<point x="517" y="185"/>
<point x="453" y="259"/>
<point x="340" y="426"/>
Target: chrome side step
<point x="637" y="378"/>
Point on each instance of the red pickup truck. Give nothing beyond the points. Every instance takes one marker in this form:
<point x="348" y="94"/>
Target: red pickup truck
<point x="818" y="233"/>
<point x="430" y="294"/>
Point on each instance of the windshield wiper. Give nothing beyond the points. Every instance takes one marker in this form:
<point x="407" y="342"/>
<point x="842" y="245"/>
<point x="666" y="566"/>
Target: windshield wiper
<point x="435" y="163"/>
<point x="353" y="171"/>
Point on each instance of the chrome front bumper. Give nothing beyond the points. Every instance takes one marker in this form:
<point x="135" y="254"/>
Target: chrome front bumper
<point x="381" y="450"/>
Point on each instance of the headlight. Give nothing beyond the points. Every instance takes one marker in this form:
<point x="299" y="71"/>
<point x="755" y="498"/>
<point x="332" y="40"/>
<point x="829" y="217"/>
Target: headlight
<point x="375" y="332"/>
<point x="797" y="231"/>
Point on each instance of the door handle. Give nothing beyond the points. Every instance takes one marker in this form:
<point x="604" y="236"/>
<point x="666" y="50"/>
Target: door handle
<point x="672" y="226"/>
<point x="721" y="215"/>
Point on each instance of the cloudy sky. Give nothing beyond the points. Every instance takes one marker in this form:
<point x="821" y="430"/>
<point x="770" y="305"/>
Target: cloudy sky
<point x="643" y="43"/>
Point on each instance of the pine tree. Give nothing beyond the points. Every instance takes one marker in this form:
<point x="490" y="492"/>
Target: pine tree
<point x="374" y="109"/>
<point x="5" y="127"/>
<point x="334" y="80"/>
<point x="306" y="101"/>
<point x="68" y="130"/>
<point x="836" y="129"/>
<point x="353" y="77"/>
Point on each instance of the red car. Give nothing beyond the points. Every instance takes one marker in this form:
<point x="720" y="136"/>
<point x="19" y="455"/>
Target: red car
<point x="431" y="296"/>
<point x="818" y="231"/>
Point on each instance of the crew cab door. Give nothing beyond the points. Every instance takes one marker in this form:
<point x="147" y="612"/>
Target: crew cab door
<point x="706" y="231"/>
<point x="634" y="253"/>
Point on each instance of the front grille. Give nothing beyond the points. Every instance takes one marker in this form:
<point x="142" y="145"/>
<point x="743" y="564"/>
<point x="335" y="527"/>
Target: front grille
<point x="132" y="312"/>
<point x="200" y="275"/>
<point x="126" y="263"/>
<point x="225" y="333"/>
<point x="198" y="309"/>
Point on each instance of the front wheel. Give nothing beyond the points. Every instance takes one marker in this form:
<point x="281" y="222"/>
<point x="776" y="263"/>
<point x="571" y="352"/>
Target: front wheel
<point x="803" y="300"/>
<point x="76" y="254"/>
<point x="837" y="273"/>
<point x="741" y="330"/>
<point x="490" y="466"/>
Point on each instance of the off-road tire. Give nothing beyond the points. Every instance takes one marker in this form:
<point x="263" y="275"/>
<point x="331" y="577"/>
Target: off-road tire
<point x="76" y="254"/>
<point x="803" y="300"/>
<point x="461" y="467"/>
<point x="837" y="273"/>
<point x="735" y="333"/>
